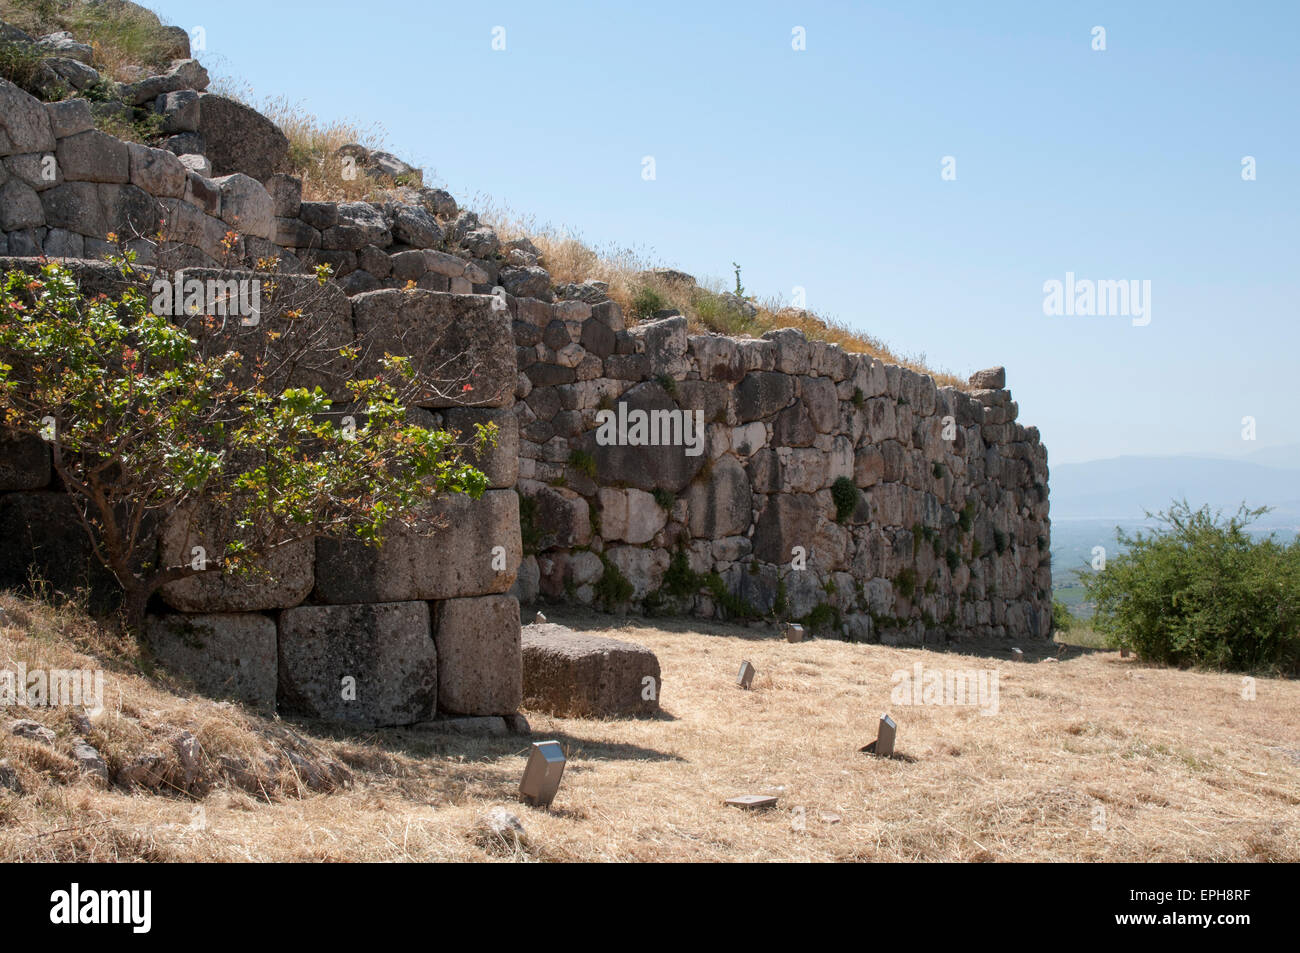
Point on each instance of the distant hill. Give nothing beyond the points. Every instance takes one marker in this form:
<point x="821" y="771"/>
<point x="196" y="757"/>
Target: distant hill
<point x="1122" y="488"/>
<point x="1090" y="499"/>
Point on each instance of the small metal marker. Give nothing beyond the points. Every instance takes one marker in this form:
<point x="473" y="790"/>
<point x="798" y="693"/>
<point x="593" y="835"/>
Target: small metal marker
<point x="1018" y="655"/>
<point x="542" y="773"/>
<point x="1123" y="652"/>
<point x="883" y="746"/>
<point x="793" y="632"/>
<point x="753" y="802"/>
<point x="746" y="676"/>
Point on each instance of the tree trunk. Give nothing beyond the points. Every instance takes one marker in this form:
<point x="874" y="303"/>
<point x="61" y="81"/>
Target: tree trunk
<point x="135" y="601"/>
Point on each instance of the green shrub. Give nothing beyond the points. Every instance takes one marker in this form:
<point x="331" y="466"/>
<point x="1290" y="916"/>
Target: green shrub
<point x="999" y="541"/>
<point x="646" y="302"/>
<point x="613" y="588"/>
<point x="845" y="494"/>
<point x="967" y="517"/>
<point x="906" y="583"/>
<point x="1199" y="590"/>
<point x="953" y="558"/>
<point x="665" y="498"/>
<point x="1062" y="620"/>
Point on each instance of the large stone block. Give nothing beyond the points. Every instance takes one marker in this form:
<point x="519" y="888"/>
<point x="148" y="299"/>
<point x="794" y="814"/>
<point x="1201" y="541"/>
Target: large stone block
<point x="459" y="341"/>
<point x="574" y="675"/>
<point x="661" y="458"/>
<point x="500" y="463"/>
<point x="24" y="123"/>
<point x="464" y="547"/>
<point x="479" y="665"/>
<point x="630" y="515"/>
<point x="763" y="393"/>
<point x="324" y="325"/>
<point x="93" y="156"/>
<point x="226" y="655"/>
<point x="560" y="517"/>
<point x="239" y="138"/>
<point x="722" y="504"/>
<point x="787" y="521"/>
<point x="285" y="579"/>
<point x="367" y="665"/>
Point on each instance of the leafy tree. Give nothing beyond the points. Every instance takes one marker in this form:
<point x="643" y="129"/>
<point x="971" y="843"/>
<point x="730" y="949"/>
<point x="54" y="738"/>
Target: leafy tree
<point x="152" y="416"/>
<point x="1199" y="590"/>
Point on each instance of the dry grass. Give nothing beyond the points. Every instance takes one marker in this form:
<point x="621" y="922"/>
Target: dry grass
<point x="119" y="35"/>
<point x="569" y="259"/>
<point x="1183" y="767"/>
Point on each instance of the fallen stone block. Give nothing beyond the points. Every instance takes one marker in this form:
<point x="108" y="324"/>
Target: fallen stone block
<point x="572" y="674"/>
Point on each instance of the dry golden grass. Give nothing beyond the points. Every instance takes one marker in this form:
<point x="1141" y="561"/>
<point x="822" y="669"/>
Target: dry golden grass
<point x="569" y="259"/>
<point x="1183" y="767"/>
<point x="120" y="36"/>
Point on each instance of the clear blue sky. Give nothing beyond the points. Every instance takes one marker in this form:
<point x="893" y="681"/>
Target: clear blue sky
<point x="821" y="169"/>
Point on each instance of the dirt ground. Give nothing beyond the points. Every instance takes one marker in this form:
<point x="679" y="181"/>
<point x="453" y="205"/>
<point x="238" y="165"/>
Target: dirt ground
<point x="1085" y="757"/>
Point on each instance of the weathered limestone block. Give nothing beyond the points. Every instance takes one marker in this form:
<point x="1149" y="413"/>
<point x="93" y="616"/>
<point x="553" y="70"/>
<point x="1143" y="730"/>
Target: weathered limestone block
<point x="762" y="393"/>
<point x="792" y="351"/>
<point x="479" y="661"/>
<point x="644" y="568"/>
<point x="464" y="547"/>
<point x="286" y="581"/>
<point x="717" y="357"/>
<point x="458" y="340"/>
<point x="20" y="206"/>
<point x="570" y="674"/>
<point x="664" y="344"/>
<point x="993" y="378"/>
<point x="787" y="521"/>
<point x="24" y="123"/>
<point x="69" y="117"/>
<point x="245" y="205"/>
<point x="93" y="156"/>
<point x="157" y="171"/>
<point x="182" y="74"/>
<point x="240" y="139"/>
<point x="721" y="505"/>
<point x="709" y="397"/>
<point x="803" y="469"/>
<point x="646" y="466"/>
<point x="630" y="515"/>
<point x="818" y="395"/>
<point x="561" y="517"/>
<point x="500" y="463"/>
<point x="326" y="324"/>
<point x="225" y="655"/>
<point x="369" y="665"/>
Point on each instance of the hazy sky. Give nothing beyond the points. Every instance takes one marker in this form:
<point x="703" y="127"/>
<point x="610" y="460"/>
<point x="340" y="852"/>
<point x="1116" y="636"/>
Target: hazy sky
<point x="821" y="168"/>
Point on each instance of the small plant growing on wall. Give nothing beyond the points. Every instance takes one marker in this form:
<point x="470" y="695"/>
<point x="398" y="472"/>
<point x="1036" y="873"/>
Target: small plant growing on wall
<point x="844" y="493"/>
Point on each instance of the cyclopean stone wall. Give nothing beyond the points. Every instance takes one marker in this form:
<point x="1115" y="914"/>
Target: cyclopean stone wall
<point x="390" y="636"/>
<point x="941" y="528"/>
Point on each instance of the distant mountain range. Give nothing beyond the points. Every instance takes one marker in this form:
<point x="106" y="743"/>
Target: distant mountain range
<point x="1123" y="488"/>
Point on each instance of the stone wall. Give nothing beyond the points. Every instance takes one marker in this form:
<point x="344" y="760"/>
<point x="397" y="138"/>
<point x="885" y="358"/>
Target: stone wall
<point x="941" y="526"/>
<point x="423" y="625"/>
